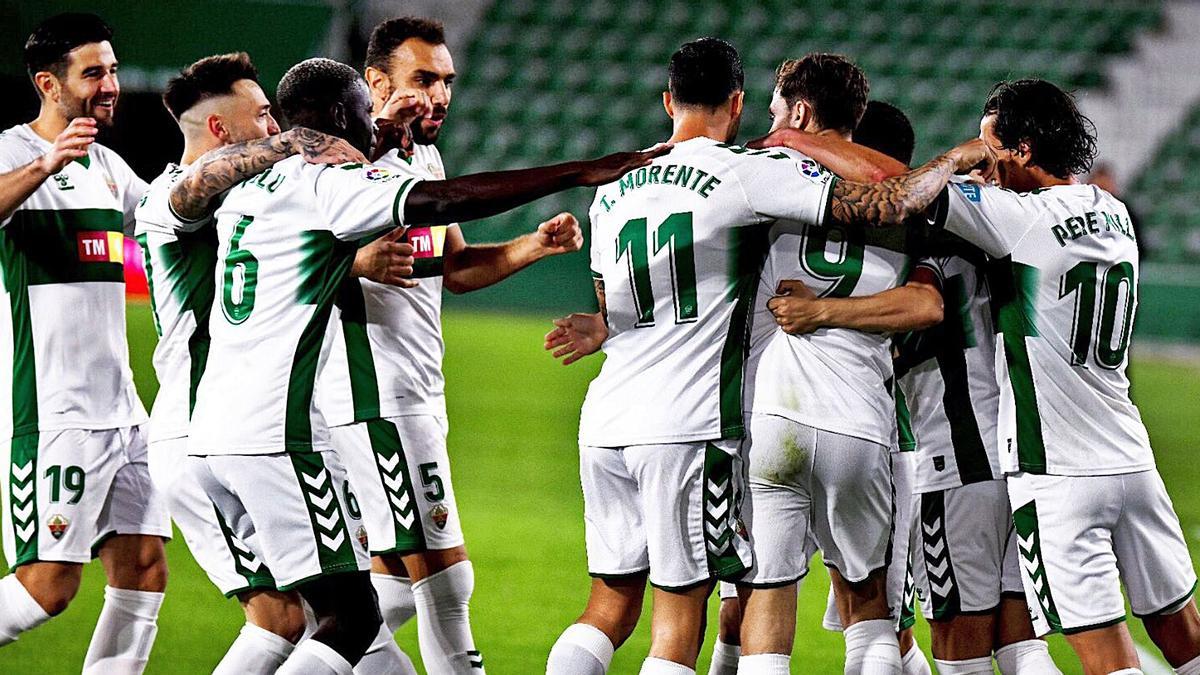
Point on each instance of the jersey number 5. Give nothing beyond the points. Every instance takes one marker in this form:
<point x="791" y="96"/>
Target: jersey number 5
<point x="632" y="244"/>
<point x="240" y="276"/>
<point x="1081" y="280"/>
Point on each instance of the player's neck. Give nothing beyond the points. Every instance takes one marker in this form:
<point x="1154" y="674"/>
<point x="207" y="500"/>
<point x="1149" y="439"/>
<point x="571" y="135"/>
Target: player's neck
<point x="49" y="124"/>
<point x="193" y="148"/>
<point x="1035" y="178"/>
<point x="694" y="125"/>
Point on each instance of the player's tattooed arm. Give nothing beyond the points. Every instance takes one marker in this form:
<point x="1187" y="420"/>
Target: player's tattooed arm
<point x="486" y="194"/>
<point x="897" y="199"/>
<point x="218" y="170"/>
<point x="845" y="159"/>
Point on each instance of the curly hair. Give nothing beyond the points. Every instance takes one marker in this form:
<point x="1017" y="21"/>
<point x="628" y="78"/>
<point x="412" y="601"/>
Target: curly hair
<point x="1061" y="139"/>
<point x="830" y="83"/>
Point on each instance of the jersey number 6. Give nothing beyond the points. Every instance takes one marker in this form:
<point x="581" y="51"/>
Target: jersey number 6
<point x="240" y="276"/>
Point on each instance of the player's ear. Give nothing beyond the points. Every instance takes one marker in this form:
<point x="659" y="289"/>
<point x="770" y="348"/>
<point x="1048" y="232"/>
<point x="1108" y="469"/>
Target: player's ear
<point x="736" y="101"/>
<point x="801" y="115"/>
<point x="668" y="105"/>
<point x="216" y="127"/>
<point x="47" y="84"/>
<point x="1023" y="154"/>
<point x="337" y="113"/>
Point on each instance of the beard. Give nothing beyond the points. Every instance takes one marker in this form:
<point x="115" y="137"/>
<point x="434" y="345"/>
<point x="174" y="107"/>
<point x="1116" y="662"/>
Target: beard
<point x="424" y="132"/>
<point x="73" y="108"/>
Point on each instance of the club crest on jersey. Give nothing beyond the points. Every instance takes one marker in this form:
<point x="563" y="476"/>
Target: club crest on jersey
<point x="361" y="535"/>
<point x="112" y="184"/>
<point x="58" y="524"/>
<point x="101" y="246"/>
<point x="436" y="171"/>
<point x="378" y="174"/>
<point x="439" y="514"/>
<point x="970" y="191"/>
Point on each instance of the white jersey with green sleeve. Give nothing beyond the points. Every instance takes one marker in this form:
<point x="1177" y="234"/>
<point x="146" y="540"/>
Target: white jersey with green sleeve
<point x="179" y="257"/>
<point x="386" y="352"/>
<point x="947" y="382"/>
<point x="64" y="360"/>
<point x="286" y="240"/>
<point x="833" y="379"/>
<point x="679" y="247"/>
<point x="1065" y="305"/>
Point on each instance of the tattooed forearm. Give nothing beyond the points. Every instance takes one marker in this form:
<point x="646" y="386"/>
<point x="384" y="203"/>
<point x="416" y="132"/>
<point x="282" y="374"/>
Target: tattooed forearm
<point x="599" y="284"/>
<point x="894" y="200"/>
<point x="218" y="170"/>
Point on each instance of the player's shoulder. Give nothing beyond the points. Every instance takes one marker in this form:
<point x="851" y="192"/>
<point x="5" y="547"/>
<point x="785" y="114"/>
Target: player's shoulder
<point x="18" y="142"/>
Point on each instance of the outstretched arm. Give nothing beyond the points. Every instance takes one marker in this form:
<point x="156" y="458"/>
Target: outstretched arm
<point x="845" y="159"/>
<point x="218" y="170"/>
<point x="578" y="335"/>
<point x="897" y="199"/>
<point x="487" y="194"/>
<point x="471" y="267"/>
<point x="913" y="306"/>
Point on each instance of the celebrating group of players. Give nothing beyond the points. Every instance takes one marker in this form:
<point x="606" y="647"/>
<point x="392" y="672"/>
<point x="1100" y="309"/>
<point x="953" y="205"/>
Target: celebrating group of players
<point x="809" y="347"/>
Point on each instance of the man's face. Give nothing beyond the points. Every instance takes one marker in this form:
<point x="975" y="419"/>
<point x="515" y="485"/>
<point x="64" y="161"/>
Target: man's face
<point x="246" y="113"/>
<point x="360" y="127"/>
<point x="90" y="87"/>
<point x="781" y="112"/>
<point x="416" y="64"/>
<point x="1007" y="164"/>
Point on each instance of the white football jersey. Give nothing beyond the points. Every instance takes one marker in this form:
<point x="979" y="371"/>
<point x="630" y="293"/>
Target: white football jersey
<point x="180" y="257"/>
<point x="287" y="239"/>
<point x="64" y="360"/>
<point x="946" y="376"/>
<point x="386" y="342"/>
<point x="679" y="247"/>
<point x="834" y="379"/>
<point x="1065" y="306"/>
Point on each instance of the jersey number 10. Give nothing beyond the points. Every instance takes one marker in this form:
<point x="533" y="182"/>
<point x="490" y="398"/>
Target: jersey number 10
<point x="1081" y="279"/>
<point x="633" y="245"/>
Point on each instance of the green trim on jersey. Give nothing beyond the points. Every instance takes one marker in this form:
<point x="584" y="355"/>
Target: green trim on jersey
<point x="22" y="495"/>
<point x="148" y="264"/>
<point x="49" y="243"/>
<point x="908" y="441"/>
<point x="1029" y="551"/>
<point x="257" y="578"/>
<point x="1016" y="319"/>
<point x="749" y="248"/>
<point x="331" y="536"/>
<point x="970" y="453"/>
<point x="325" y="264"/>
<point x="397" y="482"/>
<point x="364" y="380"/>
<point x="24" y="377"/>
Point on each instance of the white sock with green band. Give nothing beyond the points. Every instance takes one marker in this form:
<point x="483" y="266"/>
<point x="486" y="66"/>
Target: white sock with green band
<point x="444" y="621"/>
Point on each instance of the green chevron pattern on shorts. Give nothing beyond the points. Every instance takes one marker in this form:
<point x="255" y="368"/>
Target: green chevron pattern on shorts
<point x="330" y="534"/>
<point x="720" y="513"/>
<point x="22" y="495"/>
<point x="398" y="486"/>
<point x="1029" y="549"/>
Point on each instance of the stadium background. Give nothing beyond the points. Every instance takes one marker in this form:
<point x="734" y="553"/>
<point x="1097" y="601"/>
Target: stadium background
<point x="547" y="81"/>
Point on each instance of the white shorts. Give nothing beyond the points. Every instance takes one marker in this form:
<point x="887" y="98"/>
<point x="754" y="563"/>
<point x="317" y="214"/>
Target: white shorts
<point x="670" y="509"/>
<point x="66" y="492"/>
<point x="901" y="584"/>
<point x="401" y="473"/>
<point x="969" y="552"/>
<point x="228" y="561"/>
<point x="294" y="511"/>
<point x="804" y="480"/>
<point x="1080" y="537"/>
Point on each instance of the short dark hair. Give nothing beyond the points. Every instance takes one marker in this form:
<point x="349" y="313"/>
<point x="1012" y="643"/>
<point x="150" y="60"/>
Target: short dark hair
<point x="1062" y="139"/>
<point x="210" y="76"/>
<point x="705" y="72"/>
<point x="49" y="43"/>
<point x="830" y="83"/>
<point x="886" y="128"/>
<point x="313" y="86"/>
<point x="393" y="32"/>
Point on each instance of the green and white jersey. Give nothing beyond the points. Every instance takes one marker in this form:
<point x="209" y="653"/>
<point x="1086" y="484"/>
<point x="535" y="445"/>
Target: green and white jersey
<point x="947" y="391"/>
<point x="286" y="240"/>
<point x="679" y="246"/>
<point x="1065" y="304"/>
<point x="834" y="379"/>
<point x="386" y="344"/>
<point x="180" y="257"/>
<point x="64" y="360"/>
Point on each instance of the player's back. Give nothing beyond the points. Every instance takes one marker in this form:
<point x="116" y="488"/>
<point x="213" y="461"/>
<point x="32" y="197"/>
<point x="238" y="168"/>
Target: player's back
<point x="679" y="246"/>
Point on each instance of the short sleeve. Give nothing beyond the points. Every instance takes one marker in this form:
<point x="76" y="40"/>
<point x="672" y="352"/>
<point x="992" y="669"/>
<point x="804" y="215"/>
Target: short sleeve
<point x="930" y="270"/>
<point x="358" y="200"/>
<point x="780" y="187"/>
<point x="593" y="244"/>
<point x="154" y="210"/>
<point x="994" y="219"/>
<point x="11" y="158"/>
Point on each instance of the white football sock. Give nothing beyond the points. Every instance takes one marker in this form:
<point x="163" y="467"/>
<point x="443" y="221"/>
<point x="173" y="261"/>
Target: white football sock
<point x="395" y="599"/>
<point x="1127" y="671"/>
<point x="444" y="621"/>
<point x="914" y="662"/>
<point x="124" y="633"/>
<point x="1190" y="668"/>
<point x="872" y="648"/>
<point x="313" y="657"/>
<point x="1030" y="657"/>
<point x="19" y="612"/>
<point x="582" y="649"/>
<point x="765" y="664"/>
<point x="256" y="651"/>
<point x="978" y="666"/>
<point x="384" y="657"/>
<point x="656" y="666"/>
<point x="724" y="659"/>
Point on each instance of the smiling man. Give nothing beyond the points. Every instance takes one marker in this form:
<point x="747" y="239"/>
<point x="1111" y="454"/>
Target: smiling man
<point x="76" y="483"/>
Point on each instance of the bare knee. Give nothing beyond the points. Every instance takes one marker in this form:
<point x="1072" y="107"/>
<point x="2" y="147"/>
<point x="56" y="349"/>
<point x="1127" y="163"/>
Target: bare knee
<point x="135" y="562"/>
<point x="53" y="585"/>
<point x="280" y="613"/>
<point x="863" y="600"/>
<point x="730" y="622"/>
<point x="615" y="606"/>
<point x="1176" y="634"/>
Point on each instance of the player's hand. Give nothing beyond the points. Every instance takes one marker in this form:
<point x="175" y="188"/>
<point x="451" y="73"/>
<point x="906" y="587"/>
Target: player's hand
<point x="775" y="139"/>
<point x="318" y="148"/>
<point x="612" y="167"/>
<point x="974" y="156"/>
<point x="386" y="260"/>
<point x="404" y="106"/>
<point x="560" y="234"/>
<point x="575" y="336"/>
<point x="797" y="309"/>
<point x="70" y="145"/>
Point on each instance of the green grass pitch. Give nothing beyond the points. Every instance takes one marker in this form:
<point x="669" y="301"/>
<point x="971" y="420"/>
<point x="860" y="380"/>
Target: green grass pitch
<point x="514" y="414"/>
